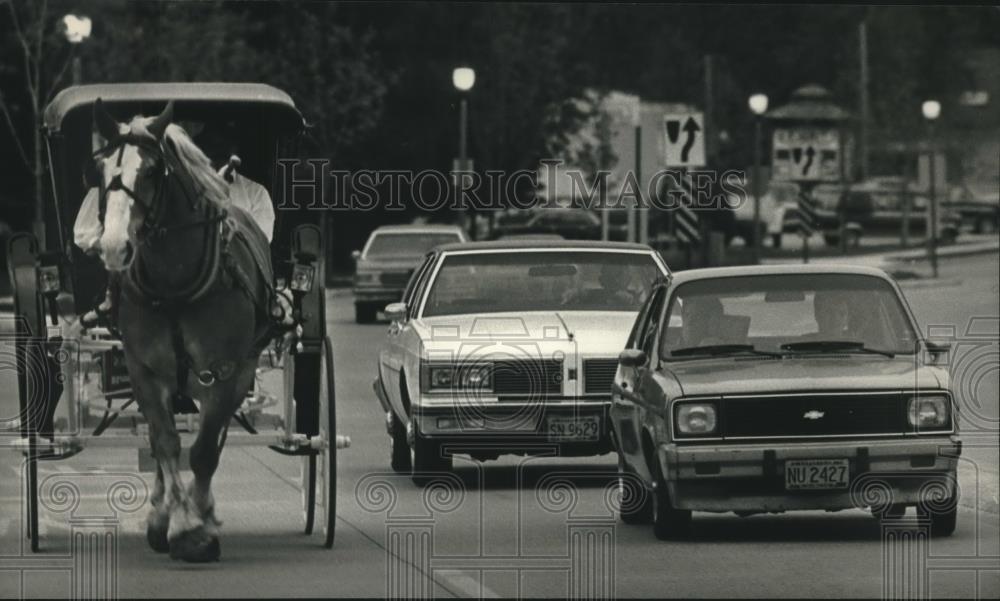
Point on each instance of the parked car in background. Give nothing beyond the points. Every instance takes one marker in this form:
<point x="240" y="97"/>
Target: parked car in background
<point x="508" y="347"/>
<point x="571" y="223"/>
<point x="978" y="206"/>
<point x="779" y="388"/>
<point x="387" y="260"/>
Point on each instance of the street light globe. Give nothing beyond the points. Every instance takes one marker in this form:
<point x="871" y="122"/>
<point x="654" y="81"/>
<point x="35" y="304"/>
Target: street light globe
<point x="758" y="104"/>
<point x="931" y="109"/>
<point x="76" y="29"/>
<point x="463" y="78"/>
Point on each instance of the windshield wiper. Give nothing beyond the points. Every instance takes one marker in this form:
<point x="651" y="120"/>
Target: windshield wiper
<point x="834" y="345"/>
<point x="721" y="349"/>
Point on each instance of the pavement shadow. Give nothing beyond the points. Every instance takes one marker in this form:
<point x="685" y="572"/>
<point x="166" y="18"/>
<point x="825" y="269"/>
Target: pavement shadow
<point x="477" y="475"/>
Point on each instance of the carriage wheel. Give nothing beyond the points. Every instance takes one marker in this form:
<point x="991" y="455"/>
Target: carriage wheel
<point x="319" y="470"/>
<point x="22" y="253"/>
<point x="328" y="433"/>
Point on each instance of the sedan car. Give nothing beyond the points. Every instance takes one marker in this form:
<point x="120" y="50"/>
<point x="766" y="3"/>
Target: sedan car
<point x="769" y="389"/>
<point x="569" y="222"/>
<point x="509" y="347"/>
<point x="387" y="261"/>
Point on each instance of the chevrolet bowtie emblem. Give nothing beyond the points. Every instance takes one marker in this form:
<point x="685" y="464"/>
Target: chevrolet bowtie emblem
<point x="813" y="414"/>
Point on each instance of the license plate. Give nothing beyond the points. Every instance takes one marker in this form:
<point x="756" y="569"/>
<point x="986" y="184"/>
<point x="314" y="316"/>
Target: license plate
<point x="805" y="474"/>
<point x="583" y="428"/>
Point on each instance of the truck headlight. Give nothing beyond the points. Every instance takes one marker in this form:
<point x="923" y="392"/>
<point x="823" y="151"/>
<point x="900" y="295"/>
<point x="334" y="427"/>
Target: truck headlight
<point x="929" y="411"/>
<point x="695" y="419"/>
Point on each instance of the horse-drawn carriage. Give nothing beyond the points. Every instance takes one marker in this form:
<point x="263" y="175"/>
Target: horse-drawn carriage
<point x="95" y="386"/>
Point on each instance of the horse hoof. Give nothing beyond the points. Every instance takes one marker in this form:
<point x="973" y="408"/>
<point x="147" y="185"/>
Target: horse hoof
<point x="157" y="539"/>
<point x="196" y="546"/>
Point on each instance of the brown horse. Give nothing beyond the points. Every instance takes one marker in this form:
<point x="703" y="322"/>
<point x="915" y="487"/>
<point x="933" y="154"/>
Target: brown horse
<point x="193" y="308"/>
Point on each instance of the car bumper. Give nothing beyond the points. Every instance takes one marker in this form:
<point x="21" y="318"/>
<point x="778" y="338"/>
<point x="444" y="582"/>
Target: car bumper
<point x="725" y="478"/>
<point x="516" y="428"/>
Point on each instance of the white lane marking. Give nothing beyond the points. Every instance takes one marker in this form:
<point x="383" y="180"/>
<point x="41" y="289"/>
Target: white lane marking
<point x="465" y="585"/>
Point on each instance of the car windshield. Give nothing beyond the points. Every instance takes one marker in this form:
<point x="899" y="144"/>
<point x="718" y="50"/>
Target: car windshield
<point x="406" y="244"/>
<point x="788" y="314"/>
<point x="557" y="280"/>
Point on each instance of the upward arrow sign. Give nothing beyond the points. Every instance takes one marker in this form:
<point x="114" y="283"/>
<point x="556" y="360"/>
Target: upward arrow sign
<point x="692" y="129"/>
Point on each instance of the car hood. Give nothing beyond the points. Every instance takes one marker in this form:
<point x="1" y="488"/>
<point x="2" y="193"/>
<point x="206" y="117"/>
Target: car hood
<point x="400" y="263"/>
<point x="762" y="375"/>
<point x="594" y="333"/>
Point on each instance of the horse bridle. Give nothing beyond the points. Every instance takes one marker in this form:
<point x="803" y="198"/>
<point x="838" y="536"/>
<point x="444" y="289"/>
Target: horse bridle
<point x="151" y="227"/>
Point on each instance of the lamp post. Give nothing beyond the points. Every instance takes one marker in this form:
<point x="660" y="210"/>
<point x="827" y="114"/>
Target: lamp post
<point x="77" y="30"/>
<point x="758" y="105"/>
<point x="463" y="78"/>
<point x="932" y="110"/>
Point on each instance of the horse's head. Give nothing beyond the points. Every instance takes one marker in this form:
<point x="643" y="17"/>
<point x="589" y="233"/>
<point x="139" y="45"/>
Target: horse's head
<point x="131" y="170"/>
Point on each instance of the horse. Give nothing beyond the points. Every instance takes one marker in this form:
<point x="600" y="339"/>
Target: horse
<point x="194" y="293"/>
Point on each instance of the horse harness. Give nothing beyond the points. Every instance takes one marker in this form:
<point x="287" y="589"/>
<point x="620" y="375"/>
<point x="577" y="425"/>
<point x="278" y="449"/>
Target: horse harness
<point x="221" y="230"/>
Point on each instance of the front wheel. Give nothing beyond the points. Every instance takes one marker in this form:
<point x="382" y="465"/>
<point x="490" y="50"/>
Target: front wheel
<point x="428" y="460"/>
<point x="636" y="499"/>
<point x="944" y="520"/>
<point x="668" y="523"/>
<point x="365" y="312"/>
<point x="399" y="451"/>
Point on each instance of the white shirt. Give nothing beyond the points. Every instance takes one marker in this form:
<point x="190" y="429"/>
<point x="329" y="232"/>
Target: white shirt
<point x="254" y="199"/>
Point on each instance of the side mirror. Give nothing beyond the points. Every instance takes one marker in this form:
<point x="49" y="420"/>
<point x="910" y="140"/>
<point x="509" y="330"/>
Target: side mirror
<point x="355" y="254"/>
<point x="395" y="311"/>
<point x="937" y="348"/>
<point x="632" y="357"/>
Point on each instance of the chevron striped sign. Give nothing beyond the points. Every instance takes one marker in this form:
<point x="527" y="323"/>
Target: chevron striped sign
<point x="807" y="218"/>
<point x="686" y="226"/>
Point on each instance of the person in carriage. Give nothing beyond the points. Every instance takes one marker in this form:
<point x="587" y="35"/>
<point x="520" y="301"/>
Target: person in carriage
<point x="216" y="144"/>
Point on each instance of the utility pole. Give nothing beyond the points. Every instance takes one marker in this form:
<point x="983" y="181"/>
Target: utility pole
<point x="863" y="100"/>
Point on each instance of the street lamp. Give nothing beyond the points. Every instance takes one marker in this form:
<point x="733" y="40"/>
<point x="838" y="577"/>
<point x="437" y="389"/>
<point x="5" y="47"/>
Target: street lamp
<point x="758" y="105"/>
<point x="463" y="78"/>
<point x="77" y="30"/>
<point x="932" y="110"/>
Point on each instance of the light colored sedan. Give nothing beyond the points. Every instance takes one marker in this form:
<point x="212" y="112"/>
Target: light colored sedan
<point x="509" y="347"/>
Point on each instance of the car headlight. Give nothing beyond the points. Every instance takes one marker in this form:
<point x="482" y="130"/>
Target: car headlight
<point x="695" y="419"/>
<point x="929" y="411"/>
<point x="450" y="377"/>
<point x="366" y="278"/>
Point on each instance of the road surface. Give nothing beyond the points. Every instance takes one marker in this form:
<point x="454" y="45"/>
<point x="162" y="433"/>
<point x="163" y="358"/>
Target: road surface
<point x="507" y="529"/>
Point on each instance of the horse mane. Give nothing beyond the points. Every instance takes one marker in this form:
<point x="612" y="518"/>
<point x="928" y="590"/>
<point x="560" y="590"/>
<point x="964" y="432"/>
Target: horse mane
<point x="211" y="185"/>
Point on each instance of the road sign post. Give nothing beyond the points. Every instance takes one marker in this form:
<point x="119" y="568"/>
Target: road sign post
<point x="684" y="145"/>
<point x="809" y="146"/>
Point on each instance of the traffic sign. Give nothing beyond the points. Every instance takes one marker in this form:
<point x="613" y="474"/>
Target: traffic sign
<point x="806" y="154"/>
<point x="807" y="218"/>
<point x="686" y="226"/>
<point x="684" y="134"/>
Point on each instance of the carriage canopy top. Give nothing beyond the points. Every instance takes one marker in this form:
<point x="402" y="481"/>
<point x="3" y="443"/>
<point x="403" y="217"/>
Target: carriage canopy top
<point x="82" y="97"/>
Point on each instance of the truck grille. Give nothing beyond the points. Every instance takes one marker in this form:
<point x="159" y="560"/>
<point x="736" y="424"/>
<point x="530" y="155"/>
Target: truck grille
<point x="598" y="375"/>
<point x="395" y="279"/>
<point x="814" y="415"/>
<point x="528" y="377"/>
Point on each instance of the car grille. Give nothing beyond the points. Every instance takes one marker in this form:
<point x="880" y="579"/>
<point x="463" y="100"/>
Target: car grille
<point x="528" y="377"/>
<point x="396" y="279"/>
<point x="814" y="415"/>
<point x="598" y="375"/>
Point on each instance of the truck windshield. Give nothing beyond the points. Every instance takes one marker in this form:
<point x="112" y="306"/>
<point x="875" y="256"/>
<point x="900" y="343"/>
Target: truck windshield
<point x="788" y="314"/>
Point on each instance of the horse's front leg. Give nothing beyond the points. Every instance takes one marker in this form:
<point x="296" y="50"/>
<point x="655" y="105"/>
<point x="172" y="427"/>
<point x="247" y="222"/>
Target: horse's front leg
<point x="218" y="403"/>
<point x="186" y="535"/>
<point x="158" y="520"/>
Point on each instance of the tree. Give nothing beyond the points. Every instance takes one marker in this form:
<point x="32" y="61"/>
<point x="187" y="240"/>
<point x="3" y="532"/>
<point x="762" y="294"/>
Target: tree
<point x="34" y="34"/>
